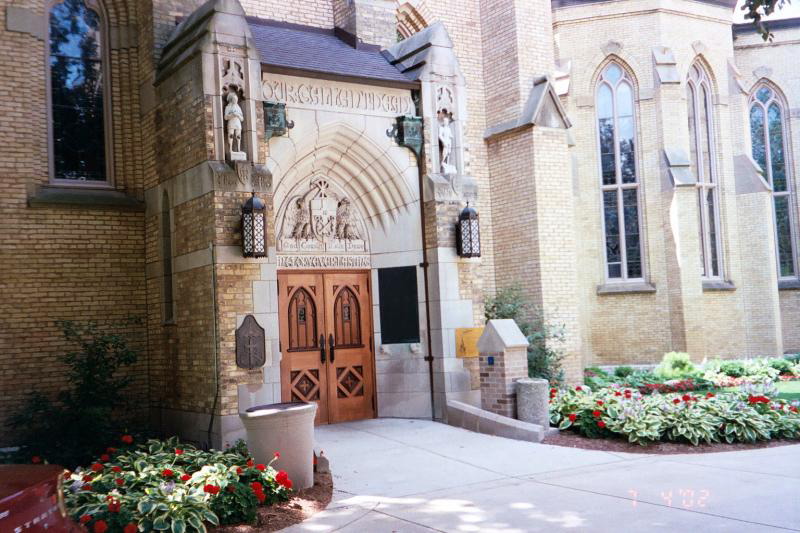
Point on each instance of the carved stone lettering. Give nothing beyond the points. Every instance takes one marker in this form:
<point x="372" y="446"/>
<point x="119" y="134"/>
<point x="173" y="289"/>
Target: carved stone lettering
<point x="314" y="94"/>
<point x="324" y="261"/>
<point x="250" y="348"/>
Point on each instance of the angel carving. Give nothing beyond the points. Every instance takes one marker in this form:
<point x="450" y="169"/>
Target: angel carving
<point x="297" y="220"/>
<point x="345" y="222"/>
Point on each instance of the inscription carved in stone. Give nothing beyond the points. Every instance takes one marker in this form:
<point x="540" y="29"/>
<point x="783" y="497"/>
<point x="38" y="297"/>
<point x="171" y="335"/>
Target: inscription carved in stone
<point x="250" y="348"/>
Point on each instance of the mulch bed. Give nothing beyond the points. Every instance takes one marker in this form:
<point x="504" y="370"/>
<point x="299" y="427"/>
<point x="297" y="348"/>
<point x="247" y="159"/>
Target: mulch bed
<point x="573" y="440"/>
<point x="303" y="505"/>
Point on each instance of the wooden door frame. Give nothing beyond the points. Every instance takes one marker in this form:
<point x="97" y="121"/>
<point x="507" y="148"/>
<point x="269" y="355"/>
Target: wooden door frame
<point x="368" y="273"/>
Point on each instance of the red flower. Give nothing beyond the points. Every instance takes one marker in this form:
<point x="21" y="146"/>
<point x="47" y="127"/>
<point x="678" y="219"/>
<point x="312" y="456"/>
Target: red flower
<point x="250" y="463"/>
<point x="686" y="398"/>
<point x="596" y="413"/>
<point x="113" y="507"/>
<point x="119" y="481"/>
<point x="105" y="458"/>
<point x="111" y="450"/>
<point x="166" y="472"/>
<point x="600" y="403"/>
<point x="572" y="417"/>
<point x="127" y="439"/>
<point x="260" y="496"/>
<point x="36" y="459"/>
<point x="97" y="467"/>
<point x="617" y="393"/>
<point x="256" y="486"/>
<point x="131" y="528"/>
<point x="578" y="388"/>
<point x="87" y="487"/>
<point x="67" y="475"/>
<point x="282" y="478"/>
<point x="87" y="479"/>
<point x="186" y="477"/>
<point x="116" y="469"/>
<point x="676" y="400"/>
<point x="238" y="470"/>
<point x="709" y="395"/>
<point x="100" y="526"/>
<point x="601" y="424"/>
<point x="230" y="488"/>
<point x="211" y="489"/>
<point x="277" y="455"/>
<point x="793" y="409"/>
<point x="178" y="451"/>
<point x="85" y="519"/>
<point x="261" y="467"/>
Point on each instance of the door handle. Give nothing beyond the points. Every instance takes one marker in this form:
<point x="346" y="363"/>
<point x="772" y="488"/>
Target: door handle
<point x="330" y="343"/>
<point x="322" y="348"/>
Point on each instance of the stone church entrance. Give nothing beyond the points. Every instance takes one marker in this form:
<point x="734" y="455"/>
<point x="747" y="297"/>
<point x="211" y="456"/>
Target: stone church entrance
<point x="326" y="342"/>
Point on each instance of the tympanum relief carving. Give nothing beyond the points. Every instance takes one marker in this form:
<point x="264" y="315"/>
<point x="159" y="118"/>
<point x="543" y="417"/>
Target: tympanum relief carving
<point x="320" y="220"/>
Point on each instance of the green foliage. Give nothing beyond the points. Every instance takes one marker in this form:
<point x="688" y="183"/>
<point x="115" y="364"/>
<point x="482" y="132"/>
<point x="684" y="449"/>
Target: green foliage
<point x="84" y="416"/>
<point x="756" y="10"/>
<point x="623" y="371"/>
<point x="675" y="365"/>
<point x="169" y="486"/>
<point x="746" y="415"/>
<point x="734" y="369"/>
<point x="544" y="353"/>
<point x="781" y="365"/>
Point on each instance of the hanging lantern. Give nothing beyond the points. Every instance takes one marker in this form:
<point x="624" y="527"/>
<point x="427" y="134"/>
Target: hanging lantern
<point x="254" y="220"/>
<point x="468" y="233"/>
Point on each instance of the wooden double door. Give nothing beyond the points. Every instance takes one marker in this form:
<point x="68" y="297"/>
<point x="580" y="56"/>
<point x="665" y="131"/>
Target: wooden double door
<point x="326" y="343"/>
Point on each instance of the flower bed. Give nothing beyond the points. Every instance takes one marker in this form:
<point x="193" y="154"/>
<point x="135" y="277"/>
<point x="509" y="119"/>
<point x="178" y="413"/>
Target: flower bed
<point x="163" y="485"/>
<point x="745" y="416"/>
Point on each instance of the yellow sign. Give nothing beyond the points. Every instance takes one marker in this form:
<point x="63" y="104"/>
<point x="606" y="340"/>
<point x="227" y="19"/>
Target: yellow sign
<point x="467" y="341"/>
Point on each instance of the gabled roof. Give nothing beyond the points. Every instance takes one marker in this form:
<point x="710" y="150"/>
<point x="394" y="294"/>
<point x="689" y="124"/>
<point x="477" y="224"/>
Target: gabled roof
<point x="322" y="53"/>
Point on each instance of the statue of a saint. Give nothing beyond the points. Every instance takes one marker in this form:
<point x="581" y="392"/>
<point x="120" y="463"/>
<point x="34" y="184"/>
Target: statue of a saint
<point x="233" y="121"/>
<point x="446" y="143"/>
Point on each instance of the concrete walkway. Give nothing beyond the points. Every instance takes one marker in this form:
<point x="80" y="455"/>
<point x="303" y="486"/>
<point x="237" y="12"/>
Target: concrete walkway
<point x="413" y="475"/>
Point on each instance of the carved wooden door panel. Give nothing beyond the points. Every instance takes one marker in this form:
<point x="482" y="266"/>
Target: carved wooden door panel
<point x="304" y="376"/>
<point x="325" y="330"/>
<point x="350" y="369"/>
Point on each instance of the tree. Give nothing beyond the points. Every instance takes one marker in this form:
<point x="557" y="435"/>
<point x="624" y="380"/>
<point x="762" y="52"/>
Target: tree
<point x="756" y="10"/>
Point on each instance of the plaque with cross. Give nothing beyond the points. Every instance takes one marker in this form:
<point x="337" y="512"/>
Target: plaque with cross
<point x="250" y="349"/>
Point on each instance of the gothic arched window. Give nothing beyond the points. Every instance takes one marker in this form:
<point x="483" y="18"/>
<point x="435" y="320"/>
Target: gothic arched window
<point x="620" y="185"/>
<point x="767" y="133"/>
<point x="701" y="146"/>
<point x="77" y="93"/>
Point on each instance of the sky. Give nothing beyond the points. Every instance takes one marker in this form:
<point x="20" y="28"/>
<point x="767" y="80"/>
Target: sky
<point x="787" y="11"/>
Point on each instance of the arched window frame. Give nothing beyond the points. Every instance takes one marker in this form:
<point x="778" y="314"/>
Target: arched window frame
<point x="619" y="186"/>
<point x="698" y="82"/>
<point x="776" y="98"/>
<point x="105" y="62"/>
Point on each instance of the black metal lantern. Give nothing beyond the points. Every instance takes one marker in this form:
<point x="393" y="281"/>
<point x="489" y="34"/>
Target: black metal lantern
<point x="407" y="131"/>
<point x="468" y="233"/>
<point x="254" y="227"/>
<point x="275" y="123"/>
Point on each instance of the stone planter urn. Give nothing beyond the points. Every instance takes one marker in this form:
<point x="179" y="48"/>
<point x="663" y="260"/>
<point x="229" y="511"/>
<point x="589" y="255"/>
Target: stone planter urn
<point x="287" y="428"/>
<point x="533" y="401"/>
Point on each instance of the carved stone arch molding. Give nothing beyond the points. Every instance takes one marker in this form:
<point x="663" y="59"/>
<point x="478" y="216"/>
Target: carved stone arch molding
<point x="318" y="216"/>
<point x="594" y="65"/>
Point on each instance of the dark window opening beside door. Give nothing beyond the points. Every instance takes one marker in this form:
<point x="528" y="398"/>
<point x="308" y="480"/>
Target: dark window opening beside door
<point x="399" y="308"/>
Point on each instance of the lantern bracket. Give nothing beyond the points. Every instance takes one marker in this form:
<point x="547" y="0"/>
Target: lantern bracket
<point x="407" y="132"/>
<point x="275" y="123"/>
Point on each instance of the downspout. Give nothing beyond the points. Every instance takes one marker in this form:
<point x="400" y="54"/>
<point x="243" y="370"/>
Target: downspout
<point x="215" y="312"/>
<point x="425" y="265"/>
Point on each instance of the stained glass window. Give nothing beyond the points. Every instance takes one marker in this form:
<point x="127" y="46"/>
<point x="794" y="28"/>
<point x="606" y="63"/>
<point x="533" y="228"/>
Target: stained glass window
<point x="617" y="134"/>
<point x="768" y="148"/>
<point x="76" y="93"/>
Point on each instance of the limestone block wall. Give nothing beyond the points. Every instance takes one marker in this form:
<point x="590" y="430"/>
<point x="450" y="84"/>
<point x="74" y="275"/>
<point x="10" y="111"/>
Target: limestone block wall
<point x="62" y="261"/>
<point x="777" y="64"/>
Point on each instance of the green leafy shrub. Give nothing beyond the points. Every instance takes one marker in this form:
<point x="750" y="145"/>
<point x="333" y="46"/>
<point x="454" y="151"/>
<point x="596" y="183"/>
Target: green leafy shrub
<point x="166" y="485"/>
<point x="734" y="369"/>
<point x="623" y="371"/>
<point x="743" y="416"/>
<point x="544" y="353"/>
<point x="73" y="428"/>
<point x="783" y="366"/>
<point x="675" y="365"/>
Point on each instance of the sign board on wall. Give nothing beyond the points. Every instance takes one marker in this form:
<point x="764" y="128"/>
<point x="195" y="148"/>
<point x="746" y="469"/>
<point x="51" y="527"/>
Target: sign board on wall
<point x="467" y="341"/>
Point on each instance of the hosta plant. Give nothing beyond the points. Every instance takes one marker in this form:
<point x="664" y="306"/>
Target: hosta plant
<point x="747" y="415"/>
<point x="169" y="486"/>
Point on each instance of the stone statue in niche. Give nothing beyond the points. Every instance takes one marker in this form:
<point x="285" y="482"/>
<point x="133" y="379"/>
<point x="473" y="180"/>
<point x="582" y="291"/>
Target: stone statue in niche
<point x="233" y="124"/>
<point x="345" y="222"/>
<point x="446" y="159"/>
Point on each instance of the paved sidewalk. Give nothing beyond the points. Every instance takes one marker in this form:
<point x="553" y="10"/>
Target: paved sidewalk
<point x="415" y="475"/>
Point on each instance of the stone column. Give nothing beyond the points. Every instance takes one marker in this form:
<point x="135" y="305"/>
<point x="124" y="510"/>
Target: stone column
<point x="503" y="359"/>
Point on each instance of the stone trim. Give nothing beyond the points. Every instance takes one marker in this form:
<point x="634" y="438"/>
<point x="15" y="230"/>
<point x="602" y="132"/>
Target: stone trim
<point x="788" y="284"/>
<point x="24" y="20"/>
<point x="638" y="287"/>
<point x="542" y="96"/>
<point x="191" y="260"/>
<point x="51" y="196"/>
<point x="718" y="285"/>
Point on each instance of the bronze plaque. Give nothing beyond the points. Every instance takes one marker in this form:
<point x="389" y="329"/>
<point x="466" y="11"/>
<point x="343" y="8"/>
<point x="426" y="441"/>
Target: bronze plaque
<point x="250" y="351"/>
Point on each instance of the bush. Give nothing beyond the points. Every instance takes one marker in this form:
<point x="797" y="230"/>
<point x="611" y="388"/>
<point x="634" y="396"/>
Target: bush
<point x="734" y="369"/>
<point x="623" y="371"/>
<point x="675" y="365"/>
<point x="72" y="429"/>
<point x="744" y="416"/>
<point x="783" y="366"/>
<point x="544" y="355"/>
<point x="166" y="485"/>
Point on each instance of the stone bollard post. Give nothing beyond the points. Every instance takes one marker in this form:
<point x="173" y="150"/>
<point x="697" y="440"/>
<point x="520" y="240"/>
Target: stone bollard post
<point x="503" y="351"/>
<point x="533" y="401"/>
